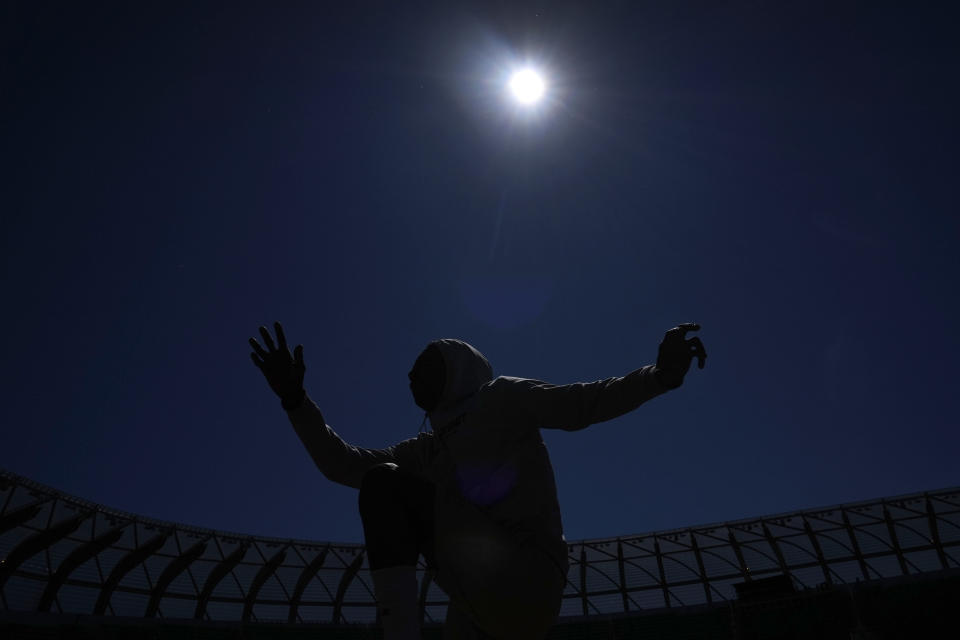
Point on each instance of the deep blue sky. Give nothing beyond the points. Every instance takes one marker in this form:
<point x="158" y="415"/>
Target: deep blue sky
<point x="177" y="174"/>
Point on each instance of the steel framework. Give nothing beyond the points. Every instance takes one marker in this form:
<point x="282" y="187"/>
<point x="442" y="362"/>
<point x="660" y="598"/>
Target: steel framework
<point x="63" y="554"/>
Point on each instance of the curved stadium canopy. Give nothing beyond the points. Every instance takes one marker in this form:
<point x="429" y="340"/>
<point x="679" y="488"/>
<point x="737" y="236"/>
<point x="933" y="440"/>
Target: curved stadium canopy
<point x="59" y="553"/>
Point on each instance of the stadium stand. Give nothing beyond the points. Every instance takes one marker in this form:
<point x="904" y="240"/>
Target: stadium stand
<point x="884" y="568"/>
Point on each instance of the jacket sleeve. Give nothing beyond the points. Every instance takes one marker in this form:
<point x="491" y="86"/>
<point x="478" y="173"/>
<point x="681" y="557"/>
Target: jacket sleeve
<point x="576" y="406"/>
<point x="341" y="462"/>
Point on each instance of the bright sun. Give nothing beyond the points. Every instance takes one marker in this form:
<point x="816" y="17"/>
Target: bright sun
<point x="527" y="86"/>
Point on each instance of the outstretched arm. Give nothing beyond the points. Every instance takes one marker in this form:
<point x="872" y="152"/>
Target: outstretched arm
<point x="576" y="406"/>
<point x="340" y="462"/>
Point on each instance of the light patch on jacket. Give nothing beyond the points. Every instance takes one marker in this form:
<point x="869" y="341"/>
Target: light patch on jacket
<point x="486" y="484"/>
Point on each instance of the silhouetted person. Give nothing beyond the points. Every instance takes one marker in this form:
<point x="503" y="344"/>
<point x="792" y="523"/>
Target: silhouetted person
<point x="476" y="495"/>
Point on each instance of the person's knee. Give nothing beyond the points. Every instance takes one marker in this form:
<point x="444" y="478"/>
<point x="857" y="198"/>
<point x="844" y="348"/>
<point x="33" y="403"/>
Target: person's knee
<point x="376" y="486"/>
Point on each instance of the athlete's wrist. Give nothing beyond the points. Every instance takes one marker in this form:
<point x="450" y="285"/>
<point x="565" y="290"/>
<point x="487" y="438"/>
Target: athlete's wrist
<point x="293" y="400"/>
<point x="667" y="378"/>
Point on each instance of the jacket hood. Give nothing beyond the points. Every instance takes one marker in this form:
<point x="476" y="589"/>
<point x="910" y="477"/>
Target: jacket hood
<point x="466" y="371"/>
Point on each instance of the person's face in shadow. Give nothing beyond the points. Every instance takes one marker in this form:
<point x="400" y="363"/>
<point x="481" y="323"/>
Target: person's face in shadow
<point x="427" y="378"/>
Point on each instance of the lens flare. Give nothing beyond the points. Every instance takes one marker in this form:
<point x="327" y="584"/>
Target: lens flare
<point x="527" y="86"/>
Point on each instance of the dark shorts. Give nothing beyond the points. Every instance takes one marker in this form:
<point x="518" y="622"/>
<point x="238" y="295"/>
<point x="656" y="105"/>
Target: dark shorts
<point x="419" y="498"/>
<point x="388" y="497"/>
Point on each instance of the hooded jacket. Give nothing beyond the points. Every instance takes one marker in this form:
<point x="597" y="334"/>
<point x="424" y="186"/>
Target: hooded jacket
<point x="485" y="449"/>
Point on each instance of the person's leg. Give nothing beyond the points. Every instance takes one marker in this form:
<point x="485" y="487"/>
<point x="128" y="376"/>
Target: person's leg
<point x="519" y="600"/>
<point x="397" y="513"/>
<point x="459" y="625"/>
<point x="499" y="587"/>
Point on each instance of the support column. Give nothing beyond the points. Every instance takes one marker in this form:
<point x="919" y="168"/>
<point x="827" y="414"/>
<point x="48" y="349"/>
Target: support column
<point x="894" y="542"/>
<point x="737" y="551"/>
<point x="305" y="577"/>
<point x="818" y="551"/>
<point x="262" y="576"/>
<point x="935" y="533"/>
<point x="623" y="577"/>
<point x="348" y="575"/>
<point x="864" y="570"/>
<point x="663" y="574"/>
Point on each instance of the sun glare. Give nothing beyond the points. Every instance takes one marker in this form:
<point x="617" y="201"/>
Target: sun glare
<point x="527" y="86"/>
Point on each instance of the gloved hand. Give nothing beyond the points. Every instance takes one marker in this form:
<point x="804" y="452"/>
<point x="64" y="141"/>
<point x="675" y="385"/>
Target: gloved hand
<point x="673" y="359"/>
<point x="284" y="373"/>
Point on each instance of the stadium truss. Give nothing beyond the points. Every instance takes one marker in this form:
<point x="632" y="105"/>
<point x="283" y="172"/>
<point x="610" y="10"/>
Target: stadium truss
<point x="59" y="553"/>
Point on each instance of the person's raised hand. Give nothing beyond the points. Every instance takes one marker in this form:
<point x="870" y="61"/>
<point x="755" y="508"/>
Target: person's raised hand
<point x="283" y="371"/>
<point x="676" y="353"/>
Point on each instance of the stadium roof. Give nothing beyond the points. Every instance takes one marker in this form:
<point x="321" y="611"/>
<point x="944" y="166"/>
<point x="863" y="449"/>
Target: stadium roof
<point x="60" y="553"/>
